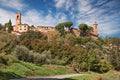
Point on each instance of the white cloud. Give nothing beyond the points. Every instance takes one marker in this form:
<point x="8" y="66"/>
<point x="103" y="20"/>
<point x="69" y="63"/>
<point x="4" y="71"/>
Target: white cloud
<point x="81" y="11"/>
<point x="59" y="3"/>
<point x="33" y="17"/>
<point x="84" y="6"/>
<point x="6" y="15"/>
<point x="15" y="4"/>
<point x="109" y="28"/>
<point x="67" y="4"/>
<point x="101" y="2"/>
<point x="105" y="17"/>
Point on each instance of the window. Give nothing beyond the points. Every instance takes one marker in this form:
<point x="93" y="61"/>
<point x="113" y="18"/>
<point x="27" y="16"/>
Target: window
<point x="20" y="27"/>
<point x="17" y="16"/>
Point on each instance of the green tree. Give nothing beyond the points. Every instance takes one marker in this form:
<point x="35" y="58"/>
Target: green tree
<point x="67" y="24"/>
<point x="7" y="42"/>
<point x="28" y="37"/>
<point x="114" y="58"/>
<point x="42" y="58"/>
<point x="21" y="52"/>
<point x="1" y="27"/>
<point x="70" y="39"/>
<point x="90" y="29"/>
<point x="93" y="62"/>
<point x="104" y="66"/>
<point x="83" y="27"/>
<point x="60" y="28"/>
<point x="9" y="26"/>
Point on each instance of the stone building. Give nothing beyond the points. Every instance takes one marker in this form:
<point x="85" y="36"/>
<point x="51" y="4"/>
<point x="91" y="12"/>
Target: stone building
<point x="75" y="32"/>
<point x="94" y="33"/>
<point x="18" y="28"/>
<point x="45" y="29"/>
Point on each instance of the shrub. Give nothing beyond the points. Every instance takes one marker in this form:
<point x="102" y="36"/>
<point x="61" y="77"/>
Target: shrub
<point x="104" y="66"/>
<point x="10" y="59"/>
<point x="7" y="59"/>
<point x="7" y="42"/>
<point x="21" y="52"/>
<point x="28" y="37"/>
<point x="42" y="58"/>
<point x="114" y="58"/>
<point x="2" y="59"/>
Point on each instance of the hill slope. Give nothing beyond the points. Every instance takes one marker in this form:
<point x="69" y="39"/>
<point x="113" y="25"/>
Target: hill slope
<point x="25" y="69"/>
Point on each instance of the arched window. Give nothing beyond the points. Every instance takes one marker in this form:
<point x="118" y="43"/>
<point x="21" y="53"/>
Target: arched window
<point x="17" y="16"/>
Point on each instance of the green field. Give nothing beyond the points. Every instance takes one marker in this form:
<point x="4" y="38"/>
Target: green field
<point x="22" y="69"/>
<point x="25" y="69"/>
<point x="106" y="76"/>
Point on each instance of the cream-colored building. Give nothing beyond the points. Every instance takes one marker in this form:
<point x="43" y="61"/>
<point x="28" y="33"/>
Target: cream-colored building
<point x="18" y="28"/>
<point x="45" y="29"/>
<point x="94" y="33"/>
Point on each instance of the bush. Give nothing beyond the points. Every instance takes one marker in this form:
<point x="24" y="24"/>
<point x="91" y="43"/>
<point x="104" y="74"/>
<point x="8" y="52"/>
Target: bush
<point x="7" y="59"/>
<point x="114" y="58"/>
<point x="7" y="42"/>
<point x="28" y="37"/>
<point x="42" y="58"/>
<point x="104" y="66"/>
<point x="21" y="52"/>
<point x="10" y="59"/>
<point x="2" y="59"/>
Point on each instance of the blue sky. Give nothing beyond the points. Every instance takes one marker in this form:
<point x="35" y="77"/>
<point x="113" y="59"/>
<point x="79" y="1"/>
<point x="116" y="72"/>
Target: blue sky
<point x="52" y="12"/>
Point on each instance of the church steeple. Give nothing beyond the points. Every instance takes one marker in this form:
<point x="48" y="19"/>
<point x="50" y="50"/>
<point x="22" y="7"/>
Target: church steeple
<point x="95" y="28"/>
<point x="18" y="18"/>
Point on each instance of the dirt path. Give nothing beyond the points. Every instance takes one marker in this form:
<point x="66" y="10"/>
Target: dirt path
<point x="51" y="77"/>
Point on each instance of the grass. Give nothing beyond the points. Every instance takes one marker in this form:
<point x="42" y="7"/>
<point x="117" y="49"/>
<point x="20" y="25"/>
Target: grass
<point x="8" y="75"/>
<point x="107" y="76"/>
<point x="24" y="69"/>
<point x="20" y="69"/>
<point x="83" y="77"/>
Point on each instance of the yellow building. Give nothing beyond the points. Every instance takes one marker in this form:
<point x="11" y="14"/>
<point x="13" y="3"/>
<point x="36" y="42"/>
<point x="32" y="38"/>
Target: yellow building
<point x="19" y="27"/>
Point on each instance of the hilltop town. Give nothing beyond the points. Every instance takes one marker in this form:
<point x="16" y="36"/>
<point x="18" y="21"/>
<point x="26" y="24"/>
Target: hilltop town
<point x="28" y="51"/>
<point x="19" y="27"/>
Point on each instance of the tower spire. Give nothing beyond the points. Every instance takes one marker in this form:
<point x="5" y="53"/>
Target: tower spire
<point x="95" y="28"/>
<point x="18" y="18"/>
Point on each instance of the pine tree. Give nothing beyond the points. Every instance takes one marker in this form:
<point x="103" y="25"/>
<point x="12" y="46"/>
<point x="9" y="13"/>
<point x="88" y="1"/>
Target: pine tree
<point x="9" y="26"/>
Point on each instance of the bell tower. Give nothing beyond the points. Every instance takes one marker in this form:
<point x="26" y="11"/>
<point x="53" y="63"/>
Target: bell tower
<point x="95" y="28"/>
<point x="18" y="18"/>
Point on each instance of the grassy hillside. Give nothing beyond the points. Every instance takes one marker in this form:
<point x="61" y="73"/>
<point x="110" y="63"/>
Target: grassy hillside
<point x="94" y="76"/>
<point x="25" y="69"/>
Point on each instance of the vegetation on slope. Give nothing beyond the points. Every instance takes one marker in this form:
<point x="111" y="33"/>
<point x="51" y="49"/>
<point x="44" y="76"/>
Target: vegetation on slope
<point x="83" y="53"/>
<point x="11" y="67"/>
<point x="94" y="76"/>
